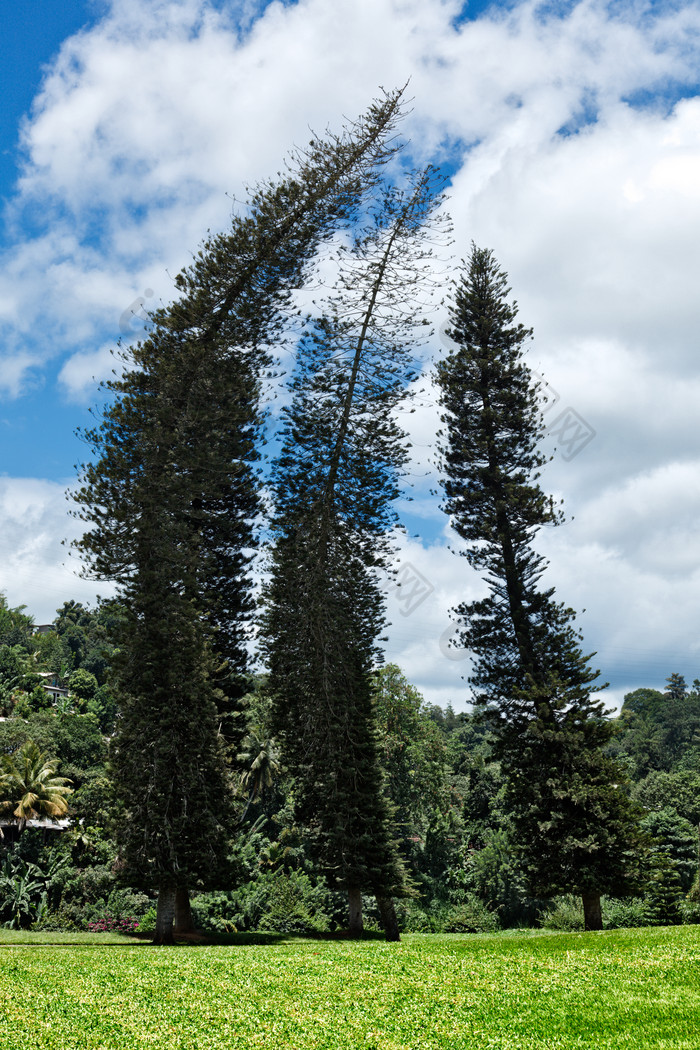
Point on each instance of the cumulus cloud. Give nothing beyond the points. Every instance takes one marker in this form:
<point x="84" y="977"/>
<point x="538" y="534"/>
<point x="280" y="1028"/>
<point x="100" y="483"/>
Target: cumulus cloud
<point x="38" y="570"/>
<point x="574" y="142"/>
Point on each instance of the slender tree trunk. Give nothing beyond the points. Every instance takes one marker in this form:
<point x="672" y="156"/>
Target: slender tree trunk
<point x="165" y="914"/>
<point x="183" y="913"/>
<point x="389" y="920"/>
<point x="592" y="913"/>
<point x="355" y="927"/>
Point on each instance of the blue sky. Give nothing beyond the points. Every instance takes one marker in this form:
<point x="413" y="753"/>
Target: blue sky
<point x="36" y="433"/>
<point x="574" y="132"/>
<point x="32" y="33"/>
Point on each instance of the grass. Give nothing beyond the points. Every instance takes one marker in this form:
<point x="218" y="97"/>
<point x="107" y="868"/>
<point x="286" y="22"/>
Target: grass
<point x="621" y="989"/>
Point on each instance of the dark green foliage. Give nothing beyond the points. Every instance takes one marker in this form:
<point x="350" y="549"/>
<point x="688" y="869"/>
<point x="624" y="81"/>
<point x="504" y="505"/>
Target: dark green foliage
<point x="276" y="902"/>
<point x="16" y="627"/>
<point x="77" y="873"/>
<point x="523" y="640"/>
<point x="166" y="758"/>
<point x="84" y="639"/>
<point x="645" y="702"/>
<point x="74" y="739"/>
<point x="170" y="500"/>
<point x="676" y="687"/>
<point x="13" y="665"/>
<point x="22" y="892"/>
<point x="470" y="917"/>
<point x="678" y="790"/>
<point x="664" y="893"/>
<point x="480" y="785"/>
<point x="571" y="813"/>
<point x="415" y="755"/>
<point x="661" y="730"/>
<point x="103" y="706"/>
<point x="677" y="839"/>
<point x="334" y="483"/>
<point x="497" y="876"/>
<point x="569" y="802"/>
<point x="462" y="856"/>
<point x="178" y="447"/>
<point x="20" y="685"/>
<point x="82" y="685"/>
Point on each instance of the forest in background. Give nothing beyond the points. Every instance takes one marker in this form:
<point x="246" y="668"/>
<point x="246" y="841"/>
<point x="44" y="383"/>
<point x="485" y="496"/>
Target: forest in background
<point x="454" y="829"/>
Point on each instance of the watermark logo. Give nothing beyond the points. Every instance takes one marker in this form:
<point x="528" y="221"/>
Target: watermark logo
<point x="136" y="312"/>
<point x="570" y="430"/>
<point x="446" y="340"/>
<point x="410" y="588"/>
<point x="547" y="396"/>
<point x="447" y="644"/>
<point x="572" y="433"/>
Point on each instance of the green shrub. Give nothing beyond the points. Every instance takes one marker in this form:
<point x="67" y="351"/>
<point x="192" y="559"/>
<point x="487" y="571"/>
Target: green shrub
<point x="472" y="916"/>
<point x="624" y="914"/>
<point x="84" y="886"/>
<point x="56" y="922"/>
<point x="293" y="904"/>
<point x="147" y="922"/>
<point x="279" y="902"/>
<point x="565" y="913"/>
<point x="216" y="912"/>
<point x="690" y="912"/>
<point x="664" y="897"/>
<point x="126" y="904"/>
<point x="412" y="918"/>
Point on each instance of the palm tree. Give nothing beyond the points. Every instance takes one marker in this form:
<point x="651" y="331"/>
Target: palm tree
<point x="29" y="787"/>
<point x="261" y="752"/>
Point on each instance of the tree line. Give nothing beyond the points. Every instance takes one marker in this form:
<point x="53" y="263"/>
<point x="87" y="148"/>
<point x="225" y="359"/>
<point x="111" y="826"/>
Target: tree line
<point x="176" y="494"/>
<point x="455" y="833"/>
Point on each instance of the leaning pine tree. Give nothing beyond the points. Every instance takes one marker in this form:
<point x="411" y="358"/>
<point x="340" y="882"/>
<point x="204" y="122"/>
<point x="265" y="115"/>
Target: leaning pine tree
<point x="576" y="828"/>
<point x="170" y="501"/>
<point x="334" y="484"/>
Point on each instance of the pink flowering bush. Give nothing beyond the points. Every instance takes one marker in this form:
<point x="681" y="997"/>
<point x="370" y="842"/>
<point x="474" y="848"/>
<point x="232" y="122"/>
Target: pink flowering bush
<point x="110" y="925"/>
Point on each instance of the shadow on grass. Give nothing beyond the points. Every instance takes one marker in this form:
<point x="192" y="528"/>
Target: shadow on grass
<point x="196" y="940"/>
<point x="259" y="937"/>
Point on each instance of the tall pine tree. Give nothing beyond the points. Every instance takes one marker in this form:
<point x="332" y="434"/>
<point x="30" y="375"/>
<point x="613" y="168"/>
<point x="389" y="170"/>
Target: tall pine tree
<point x="334" y="484"/>
<point x="575" y="824"/>
<point x="171" y="497"/>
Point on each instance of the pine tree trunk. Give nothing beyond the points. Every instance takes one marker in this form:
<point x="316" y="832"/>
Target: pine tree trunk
<point x="592" y="914"/>
<point x="183" y="913"/>
<point x="355" y="926"/>
<point x="165" y="914"/>
<point x="389" y="920"/>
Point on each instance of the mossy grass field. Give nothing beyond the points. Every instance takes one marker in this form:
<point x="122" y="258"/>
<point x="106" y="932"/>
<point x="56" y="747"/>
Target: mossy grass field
<point x="622" y="988"/>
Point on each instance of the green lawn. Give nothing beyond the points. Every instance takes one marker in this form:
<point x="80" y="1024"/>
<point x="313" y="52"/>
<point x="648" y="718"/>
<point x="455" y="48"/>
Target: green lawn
<point x="633" y="988"/>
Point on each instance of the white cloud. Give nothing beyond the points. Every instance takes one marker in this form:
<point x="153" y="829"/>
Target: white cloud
<point x="37" y="570"/>
<point x="16" y="372"/>
<point x="82" y="372"/>
<point x="149" y="119"/>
